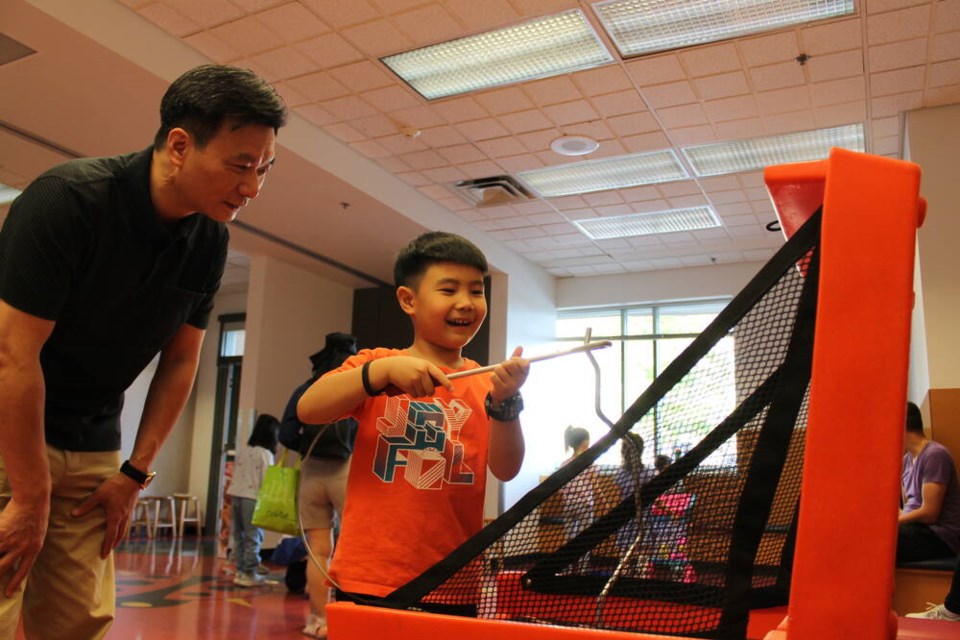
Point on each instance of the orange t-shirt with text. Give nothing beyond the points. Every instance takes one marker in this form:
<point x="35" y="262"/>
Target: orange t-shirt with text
<point x="417" y="481"/>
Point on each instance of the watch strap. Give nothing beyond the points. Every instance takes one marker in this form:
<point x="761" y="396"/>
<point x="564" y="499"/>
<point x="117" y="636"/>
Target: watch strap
<point x="140" y="477"/>
<point x="508" y="410"/>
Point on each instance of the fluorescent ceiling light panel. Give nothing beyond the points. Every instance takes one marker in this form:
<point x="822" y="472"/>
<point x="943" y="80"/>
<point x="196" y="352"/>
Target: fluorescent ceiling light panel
<point x="608" y="173"/>
<point x="8" y="194"/>
<point x="748" y="155"/>
<point x="639" y="27"/>
<point x="642" y="224"/>
<point x="540" y="48"/>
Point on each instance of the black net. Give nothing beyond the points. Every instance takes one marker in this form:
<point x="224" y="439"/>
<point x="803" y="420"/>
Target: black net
<point x="688" y="551"/>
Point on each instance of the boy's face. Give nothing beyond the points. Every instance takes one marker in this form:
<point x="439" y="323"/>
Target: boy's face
<point x="447" y="306"/>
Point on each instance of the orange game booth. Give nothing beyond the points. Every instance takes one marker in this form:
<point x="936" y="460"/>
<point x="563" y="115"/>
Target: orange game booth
<point x="843" y="560"/>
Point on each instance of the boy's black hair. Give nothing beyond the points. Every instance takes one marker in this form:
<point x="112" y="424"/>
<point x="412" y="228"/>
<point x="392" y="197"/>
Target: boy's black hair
<point x="265" y="432"/>
<point x="433" y="247"/>
<point x="914" y="423"/>
<point x="204" y="97"/>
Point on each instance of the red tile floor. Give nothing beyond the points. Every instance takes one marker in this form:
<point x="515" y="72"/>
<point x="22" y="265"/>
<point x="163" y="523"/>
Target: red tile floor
<point x="177" y="589"/>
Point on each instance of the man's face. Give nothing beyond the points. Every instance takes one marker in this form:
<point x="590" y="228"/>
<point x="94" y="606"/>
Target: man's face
<point x="448" y="305"/>
<point x="220" y="178"/>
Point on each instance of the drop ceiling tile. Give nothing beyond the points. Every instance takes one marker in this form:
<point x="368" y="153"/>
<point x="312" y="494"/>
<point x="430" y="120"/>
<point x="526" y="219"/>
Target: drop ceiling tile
<point x="645" y="193"/>
<point x="946" y="16"/>
<point x="426" y="159"/>
<point x="319" y="86"/>
<point x="837" y="91"/>
<point x="207" y="14"/>
<point x="316" y="114"/>
<point x="483" y="129"/>
<point x="436" y="191"/>
<point x="710" y="59"/>
<point x="687" y="136"/>
<point x="783" y="100"/>
<point x="728" y="197"/>
<point x="720" y="183"/>
<point x="169" y="19"/>
<point x="768" y="49"/>
<point x="945" y="46"/>
<point x="842" y="35"/>
<point x="552" y="90"/>
<point x="649" y="206"/>
<point x="543" y="7"/>
<point x="371" y="149"/>
<point x="615" y="104"/>
<point x="538" y="140"/>
<point x="525" y="121"/>
<point x="723" y="85"/>
<point x="776" y="76"/>
<point x="390" y="98"/>
<point x="378" y="38"/>
<point x="602" y="198"/>
<point x="789" y="122"/>
<point x="348" y="107"/>
<point x="895" y="26"/>
<point x="375" y="126"/>
<point x="602" y="80"/>
<point x="400" y="144"/>
<point x="501" y="147"/>
<point x="736" y="214"/>
<point x="414" y="178"/>
<point x="508" y="100"/>
<point x="571" y="112"/>
<point x="656" y="69"/>
<point x="567" y="202"/>
<point x="831" y="66"/>
<point x="342" y="13"/>
<point x="362" y="76"/>
<point x="329" y="50"/>
<point x="684" y="116"/>
<point x="634" y="123"/>
<point x="516" y="164"/>
<point x="747" y="231"/>
<point x="736" y="108"/>
<point x="539" y="212"/>
<point x="898" y="81"/>
<point x="247" y="35"/>
<point x="841" y="114"/>
<point x="898" y="55"/>
<point x="596" y="129"/>
<point x="420" y="117"/>
<point x="283" y="63"/>
<point x="446" y="175"/>
<point x="752" y="180"/>
<point x="392" y="164"/>
<point x="482" y="16"/>
<point x="344" y="132"/>
<point x="614" y="210"/>
<point x="653" y="141"/>
<point x="212" y="47"/>
<point x="893" y="105"/>
<point x="442" y="136"/>
<point x="429" y="24"/>
<point x="943" y="74"/>
<point x="293" y="22"/>
<point x="669" y="95"/>
<point x="482" y="169"/>
<point x="253" y="6"/>
<point x="459" y="109"/>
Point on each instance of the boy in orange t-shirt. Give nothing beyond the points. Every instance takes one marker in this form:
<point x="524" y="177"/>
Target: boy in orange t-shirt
<point x="417" y="479"/>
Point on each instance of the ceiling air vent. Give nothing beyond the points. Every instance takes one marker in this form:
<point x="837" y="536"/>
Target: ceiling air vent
<point x="493" y="191"/>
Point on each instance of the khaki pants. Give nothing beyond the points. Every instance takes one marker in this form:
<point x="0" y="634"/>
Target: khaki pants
<point x="70" y="591"/>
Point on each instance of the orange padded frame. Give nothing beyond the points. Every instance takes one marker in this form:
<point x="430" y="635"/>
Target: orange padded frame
<point x="843" y="572"/>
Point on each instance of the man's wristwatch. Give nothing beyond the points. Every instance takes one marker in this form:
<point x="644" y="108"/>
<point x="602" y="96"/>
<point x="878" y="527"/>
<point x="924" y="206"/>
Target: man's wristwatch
<point x="508" y="410"/>
<point x="141" y="478"/>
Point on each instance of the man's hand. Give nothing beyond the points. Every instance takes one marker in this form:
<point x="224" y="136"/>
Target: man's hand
<point x="509" y="376"/>
<point x="23" y="526"/>
<point x="117" y="495"/>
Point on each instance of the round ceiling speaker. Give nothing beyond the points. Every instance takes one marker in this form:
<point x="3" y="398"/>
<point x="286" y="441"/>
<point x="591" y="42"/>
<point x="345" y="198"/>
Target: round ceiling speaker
<point x="574" y="145"/>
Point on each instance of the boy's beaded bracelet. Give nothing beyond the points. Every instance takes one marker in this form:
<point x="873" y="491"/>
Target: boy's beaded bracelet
<point x="365" y="379"/>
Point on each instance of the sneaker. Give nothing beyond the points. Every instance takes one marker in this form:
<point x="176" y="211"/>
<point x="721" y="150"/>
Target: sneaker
<point x="248" y="579"/>
<point x="936" y="612"/>
<point x="262" y="569"/>
<point x="316" y="627"/>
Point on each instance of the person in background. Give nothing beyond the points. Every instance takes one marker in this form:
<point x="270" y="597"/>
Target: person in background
<point x="631" y="475"/>
<point x="105" y="263"/>
<point x="249" y="468"/>
<point x="413" y="502"/>
<point x="929" y="522"/>
<point x="578" y="494"/>
<point x="661" y="462"/>
<point x="323" y="476"/>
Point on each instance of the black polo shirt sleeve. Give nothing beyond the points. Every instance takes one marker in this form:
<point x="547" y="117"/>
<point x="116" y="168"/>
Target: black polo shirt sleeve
<point x="42" y="246"/>
<point x="201" y="315"/>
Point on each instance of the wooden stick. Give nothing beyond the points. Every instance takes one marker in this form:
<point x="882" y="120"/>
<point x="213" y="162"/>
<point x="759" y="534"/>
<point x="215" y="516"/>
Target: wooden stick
<point x="590" y="346"/>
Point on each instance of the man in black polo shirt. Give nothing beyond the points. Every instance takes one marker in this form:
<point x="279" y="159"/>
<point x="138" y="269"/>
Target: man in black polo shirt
<point x="105" y="262"/>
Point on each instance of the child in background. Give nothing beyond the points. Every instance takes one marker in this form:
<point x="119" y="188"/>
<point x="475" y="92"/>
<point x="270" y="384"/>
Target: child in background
<point x="417" y="480"/>
<point x="249" y="468"/>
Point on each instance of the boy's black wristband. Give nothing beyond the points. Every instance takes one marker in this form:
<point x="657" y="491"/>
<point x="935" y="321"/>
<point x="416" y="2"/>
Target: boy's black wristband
<point x="365" y="379"/>
<point x="508" y="410"/>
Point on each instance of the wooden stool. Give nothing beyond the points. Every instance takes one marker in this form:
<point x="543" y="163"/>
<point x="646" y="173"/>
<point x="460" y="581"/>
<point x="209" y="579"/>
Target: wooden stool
<point x="141" y="517"/>
<point x="186" y="505"/>
<point x="164" y="514"/>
